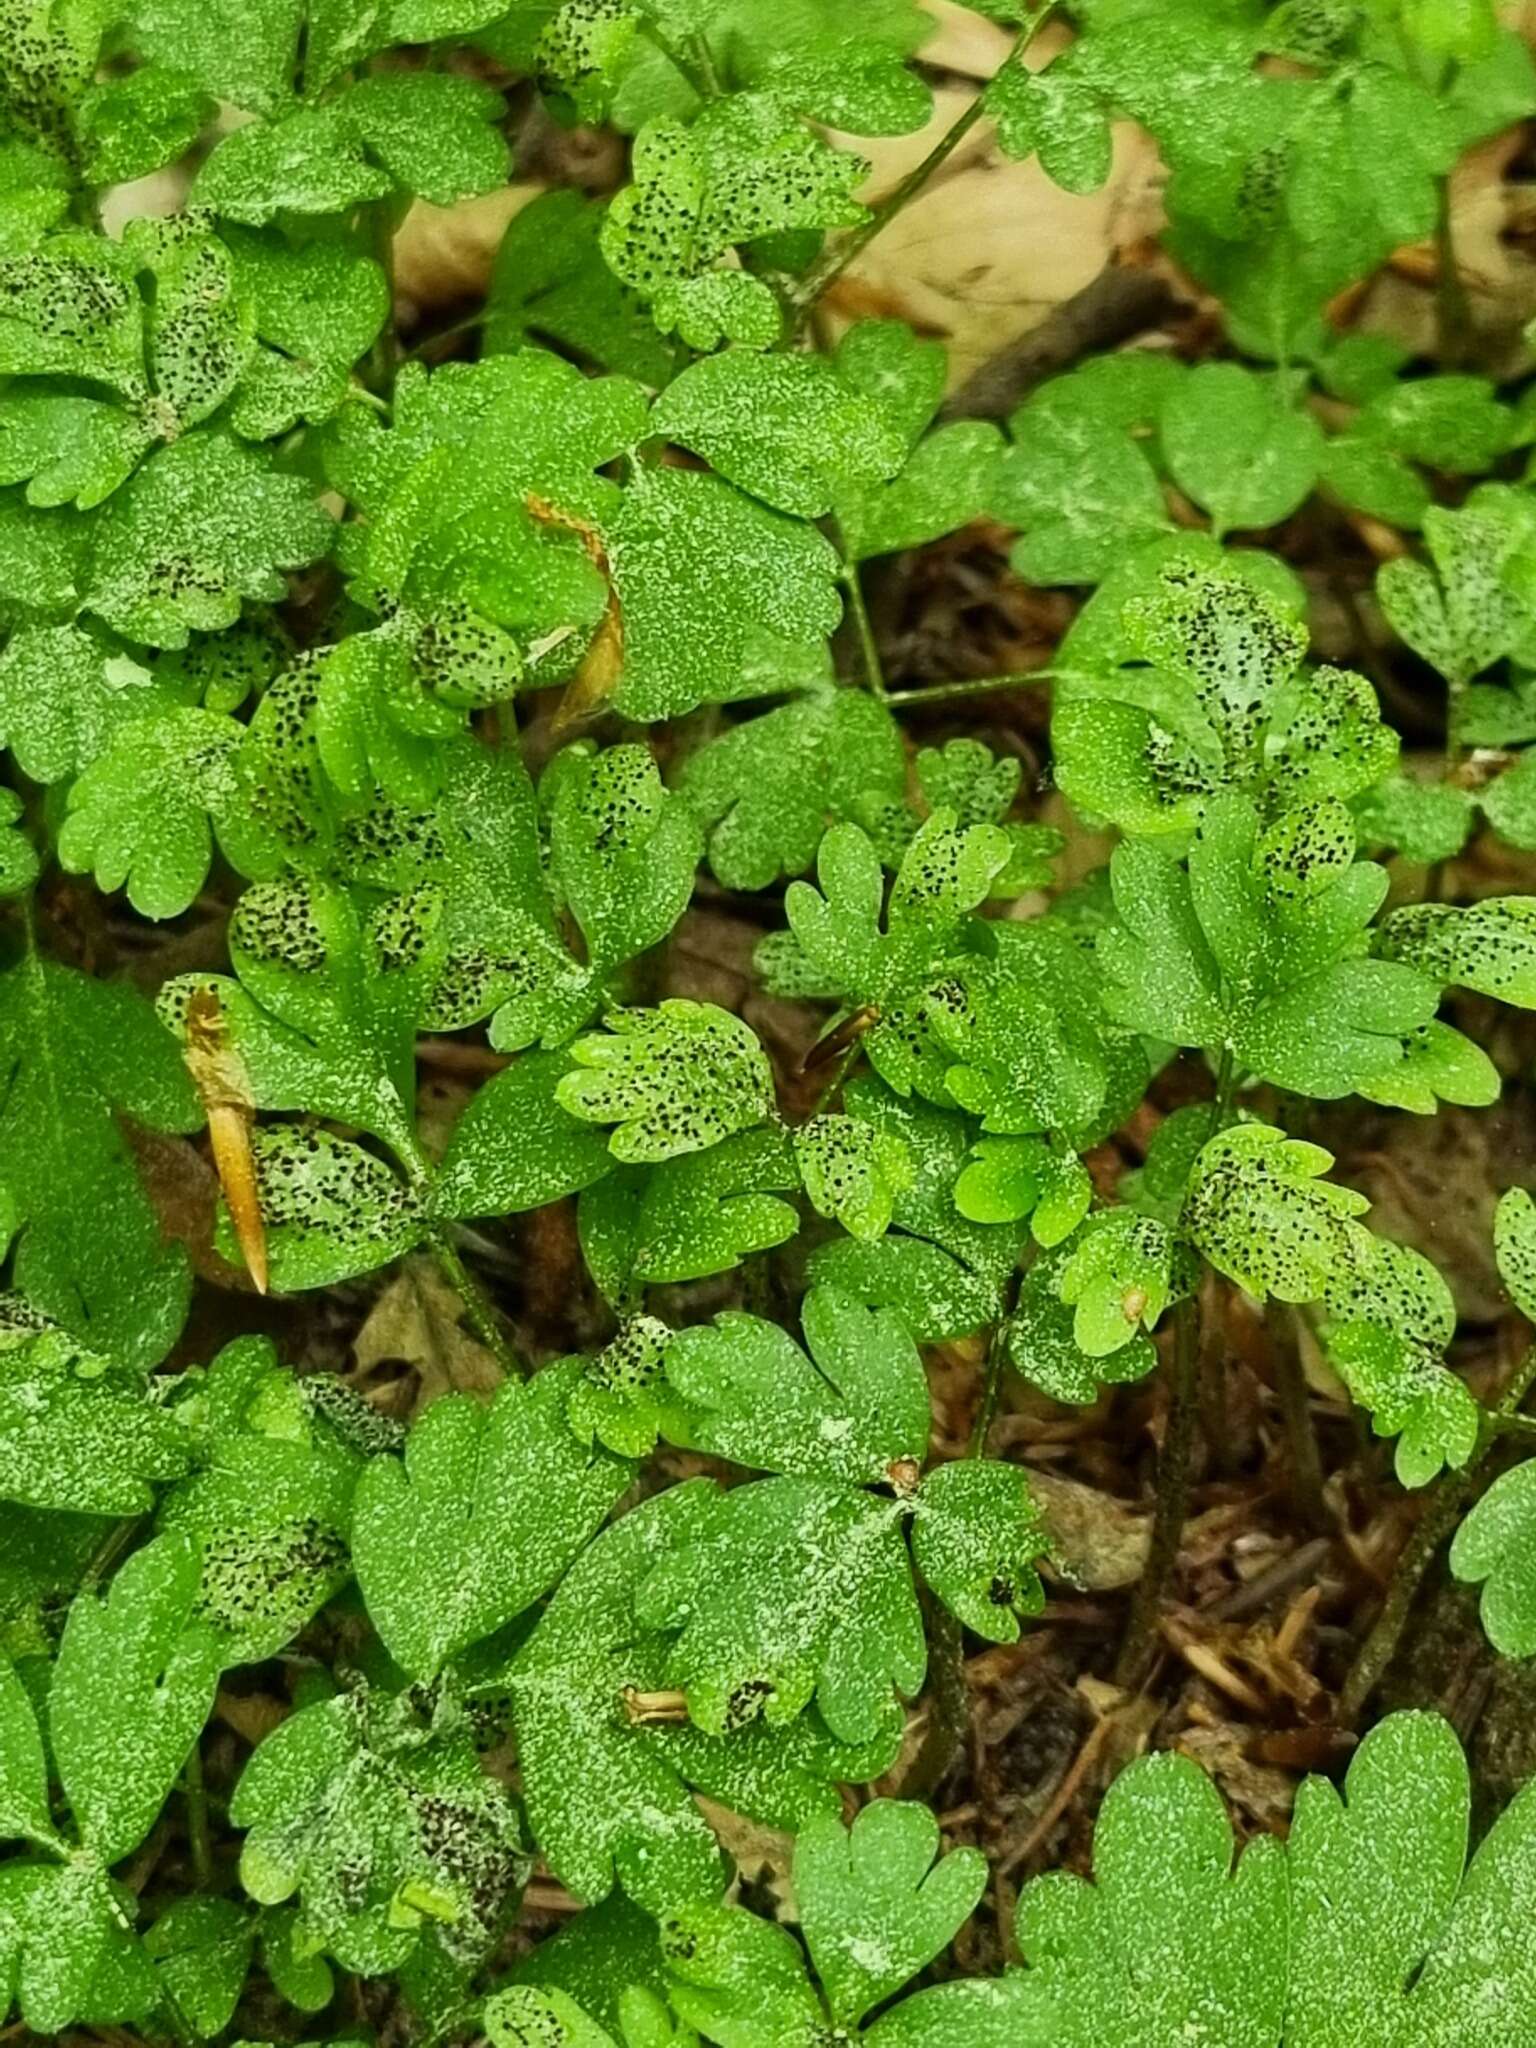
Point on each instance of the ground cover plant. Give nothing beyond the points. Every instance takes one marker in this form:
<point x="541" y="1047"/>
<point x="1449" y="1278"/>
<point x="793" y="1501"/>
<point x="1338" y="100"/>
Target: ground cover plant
<point x="764" y="1128"/>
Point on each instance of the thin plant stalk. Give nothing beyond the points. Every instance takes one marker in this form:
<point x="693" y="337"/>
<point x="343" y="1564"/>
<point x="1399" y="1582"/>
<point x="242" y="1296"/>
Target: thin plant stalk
<point x="1172" y="1496"/>
<point x="825" y="273"/>
<point x="1450" y="1498"/>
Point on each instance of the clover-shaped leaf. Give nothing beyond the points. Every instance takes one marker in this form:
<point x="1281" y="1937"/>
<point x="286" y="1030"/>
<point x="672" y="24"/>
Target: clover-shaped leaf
<point x="1495" y="1547"/>
<point x="851" y="1172"/>
<point x="856" y="1408"/>
<point x="200" y="529"/>
<point x="599" y="1761"/>
<point x="976" y="1537"/>
<point x="1257" y="1209"/>
<point x="1042" y="1339"/>
<point x="878" y="1903"/>
<point x="774" y="782"/>
<point x="1120" y="1278"/>
<point x="792" y="1589"/>
<point x="711" y="586"/>
<point x="1489" y="947"/>
<point x="88" y="1249"/>
<point x="786" y="428"/>
<point x="1170" y="1935"/>
<point x="145" y="812"/>
<point x="132" y="1687"/>
<point x="77" y="1431"/>
<point x="691" y="1216"/>
<point x="675" y="1079"/>
<point x="486" y="1511"/>
<point x="387" y="1830"/>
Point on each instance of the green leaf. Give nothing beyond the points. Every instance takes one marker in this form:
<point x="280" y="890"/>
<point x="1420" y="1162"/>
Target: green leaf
<point x="1218" y="704"/>
<point x="516" y="1148"/>
<point x="76" y="1431"/>
<point x="770" y="786"/>
<point x="740" y="1980"/>
<point x="793" y="1588"/>
<point x="945" y="1278"/>
<point x="598" y="1773"/>
<point x="615" y="1400"/>
<point x="878" y="1902"/>
<point x="886" y="964"/>
<point x="549" y="280"/>
<point x="850" y="1172"/>
<point x="323" y="1017"/>
<point x="1459" y="615"/>
<point x="976" y="1537"/>
<point x="1495" y="1547"/>
<point x="486" y="1512"/>
<point x="1514" y="1244"/>
<point x="692" y="1216"/>
<point x="361" y="1809"/>
<point x="1258" y="950"/>
<point x="1028" y="1049"/>
<point x="271" y="1505"/>
<point x="1043" y="1343"/>
<point x="1489" y="947"/>
<point x="316" y="301"/>
<point x="1258" y="1211"/>
<point x="64" y="697"/>
<point x="71" y="310"/>
<point x="1082" y="493"/>
<point x="19" y="863"/>
<point x="311" y="161"/>
<point x="948" y="481"/>
<point x="330" y="1208"/>
<point x="675" y="1079"/>
<point x="744" y="169"/>
<point x="1054" y="115"/>
<point x="1509" y="803"/>
<point x="1391" y="1318"/>
<point x="1240" y="446"/>
<point x="1120" y="1278"/>
<point x="433" y="132"/>
<point x="130" y="126"/>
<point x="145" y="812"/>
<point x="69" y="1946"/>
<point x="708" y="581"/>
<point x="132" y="1686"/>
<point x="1399" y="1831"/>
<point x="246" y="56"/>
<point x="522" y="2017"/>
<point x="787" y="428"/>
<point x="203" y="1949"/>
<point x="24" y="1812"/>
<point x="852" y="1410"/>
<point x="1170" y="1936"/>
<point x="201" y="528"/>
<point x="89" y="1250"/>
<point x="1426" y="821"/>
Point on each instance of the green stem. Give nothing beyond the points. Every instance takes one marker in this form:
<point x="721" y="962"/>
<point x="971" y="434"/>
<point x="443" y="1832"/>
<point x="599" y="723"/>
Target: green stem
<point x="869" y="647"/>
<point x="1301" y="1437"/>
<point x="1172" y="1498"/>
<point x="383" y="358"/>
<point x="1450" y="1496"/>
<point x="691" y="57"/>
<point x="836" y="260"/>
<point x="477" y="1305"/>
<point x="965" y="686"/>
<point x="991" y="1389"/>
<point x="199" y="1838"/>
